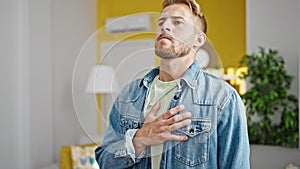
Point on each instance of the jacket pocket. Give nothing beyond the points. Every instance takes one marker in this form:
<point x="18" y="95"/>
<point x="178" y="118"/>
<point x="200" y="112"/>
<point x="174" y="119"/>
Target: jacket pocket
<point x="195" y="150"/>
<point x="128" y="122"/>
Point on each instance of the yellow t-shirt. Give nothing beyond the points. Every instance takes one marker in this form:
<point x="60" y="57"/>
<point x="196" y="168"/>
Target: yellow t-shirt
<point x="161" y="92"/>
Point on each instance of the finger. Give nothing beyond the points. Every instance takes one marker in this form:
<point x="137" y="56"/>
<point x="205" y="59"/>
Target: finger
<point x="176" y="137"/>
<point x="154" y="109"/>
<point x="179" y="125"/>
<point x="174" y="126"/>
<point x="177" y="118"/>
<point x="172" y="112"/>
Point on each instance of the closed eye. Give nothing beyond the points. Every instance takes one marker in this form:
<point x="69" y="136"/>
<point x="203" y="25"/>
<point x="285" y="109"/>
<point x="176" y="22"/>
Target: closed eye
<point x="161" y="21"/>
<point x="177" y="22"/>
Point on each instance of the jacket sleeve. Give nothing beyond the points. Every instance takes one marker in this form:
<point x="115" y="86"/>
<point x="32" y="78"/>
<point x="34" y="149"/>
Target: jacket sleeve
<point x="116" y="150"/>
<point x="233" y="142"/>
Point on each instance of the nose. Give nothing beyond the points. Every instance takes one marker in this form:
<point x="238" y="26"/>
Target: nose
<point x="166" y="26"/>
<point x="165" y="29"/>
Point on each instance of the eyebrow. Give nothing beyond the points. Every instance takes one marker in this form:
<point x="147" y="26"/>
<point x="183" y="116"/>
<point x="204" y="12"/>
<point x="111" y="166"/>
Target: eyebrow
<point x="173" y="17"/>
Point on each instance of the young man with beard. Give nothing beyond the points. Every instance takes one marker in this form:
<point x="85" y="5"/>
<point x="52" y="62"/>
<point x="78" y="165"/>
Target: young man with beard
<point x="177" y="116"/>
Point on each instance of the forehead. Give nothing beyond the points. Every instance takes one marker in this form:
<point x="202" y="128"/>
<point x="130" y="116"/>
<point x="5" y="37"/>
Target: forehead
<point x="178" y="10"/>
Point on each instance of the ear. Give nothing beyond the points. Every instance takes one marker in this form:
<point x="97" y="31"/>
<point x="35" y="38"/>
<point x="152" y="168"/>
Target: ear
<point x="199" y="40"/>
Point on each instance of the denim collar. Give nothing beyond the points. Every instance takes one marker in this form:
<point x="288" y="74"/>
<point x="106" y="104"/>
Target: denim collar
<point x="190" y="76"/>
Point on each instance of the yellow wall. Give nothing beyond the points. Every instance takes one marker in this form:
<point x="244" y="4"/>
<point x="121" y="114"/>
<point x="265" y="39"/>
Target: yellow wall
<point x="114" y="8"/>
<point x="226" y="28"/>
<point x="226" y="23"/>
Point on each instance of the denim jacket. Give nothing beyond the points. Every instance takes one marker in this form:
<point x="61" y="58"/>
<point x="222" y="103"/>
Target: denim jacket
<point x="218" y="137"/>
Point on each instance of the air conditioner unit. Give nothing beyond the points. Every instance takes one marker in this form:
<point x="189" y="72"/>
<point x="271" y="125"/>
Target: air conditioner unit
<point x="130" y="23"/>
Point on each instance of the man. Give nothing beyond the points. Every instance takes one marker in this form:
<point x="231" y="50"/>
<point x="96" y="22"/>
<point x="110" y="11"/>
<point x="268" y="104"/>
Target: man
<point x="177" y="116"/>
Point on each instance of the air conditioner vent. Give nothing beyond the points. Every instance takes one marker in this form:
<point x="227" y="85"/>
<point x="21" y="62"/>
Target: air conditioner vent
<point x="131" y="23"/>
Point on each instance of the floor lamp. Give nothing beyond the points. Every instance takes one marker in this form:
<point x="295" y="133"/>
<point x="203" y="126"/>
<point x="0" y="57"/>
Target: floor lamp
<point x="103" y="83"/>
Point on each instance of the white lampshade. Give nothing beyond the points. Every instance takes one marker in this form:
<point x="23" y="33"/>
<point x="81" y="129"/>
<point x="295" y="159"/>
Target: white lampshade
<point x="102" y="80"/>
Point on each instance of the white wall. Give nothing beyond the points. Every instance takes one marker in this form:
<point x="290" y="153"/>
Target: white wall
<point x="275" y="24"/>
<point x="26" y="88"/>
<point x="10" y="119"/>
<point x="40" y="78"/>
<point x="39" y="42"/>
<point x="74" y="21"/>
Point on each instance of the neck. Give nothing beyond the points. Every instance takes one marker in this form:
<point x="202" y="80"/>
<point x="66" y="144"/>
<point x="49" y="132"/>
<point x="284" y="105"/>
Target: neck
<point x="171" y="69"/>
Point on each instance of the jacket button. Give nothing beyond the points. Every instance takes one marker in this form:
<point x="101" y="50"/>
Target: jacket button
<point x="191" y="131"/>
<point x="176" y="97"/>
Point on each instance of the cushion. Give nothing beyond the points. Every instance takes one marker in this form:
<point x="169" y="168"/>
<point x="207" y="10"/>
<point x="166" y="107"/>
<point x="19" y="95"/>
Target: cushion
<point x="83" y="157"/>
<point x="291" y="166"/>
<point x="65" y="155"/>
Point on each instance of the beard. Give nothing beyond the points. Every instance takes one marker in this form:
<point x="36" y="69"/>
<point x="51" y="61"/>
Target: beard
<point x="174" y="50"/>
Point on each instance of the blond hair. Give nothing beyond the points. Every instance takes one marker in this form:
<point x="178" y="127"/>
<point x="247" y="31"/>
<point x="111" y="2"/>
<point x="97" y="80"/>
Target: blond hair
<point x="195" y="8"/>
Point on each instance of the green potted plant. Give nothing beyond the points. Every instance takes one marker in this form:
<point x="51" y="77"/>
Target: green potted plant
<point x="272" y="112"/>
